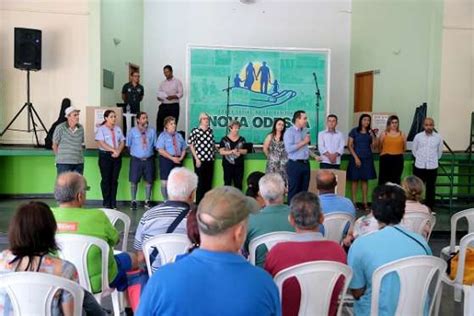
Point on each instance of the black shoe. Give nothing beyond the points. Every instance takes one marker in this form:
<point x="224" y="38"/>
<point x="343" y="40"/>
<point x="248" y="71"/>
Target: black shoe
<point x="133" y="205"/>
<point x="147" y="205"/>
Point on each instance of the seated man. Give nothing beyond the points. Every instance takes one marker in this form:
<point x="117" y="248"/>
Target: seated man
<point x="331" y="202"/>
<point x="273" y="217"/>
<point x="70" y="193"/>
<point x="214" y="279"/>
<point x="309" y="245"/>
<point x="390" y="243"/>
<point x="170" y="216"/>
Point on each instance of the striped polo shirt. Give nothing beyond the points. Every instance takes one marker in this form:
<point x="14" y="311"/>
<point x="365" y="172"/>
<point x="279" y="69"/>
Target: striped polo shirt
<point x="69" y="144"/>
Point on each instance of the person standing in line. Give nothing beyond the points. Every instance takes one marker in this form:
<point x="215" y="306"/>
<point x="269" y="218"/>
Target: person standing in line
<point x="274" y="149"/>
<point x="427" y="150"/>
<point x="68" y="138"/>
<point x="392" y="145"/>
<point x="203" y="148"/>
<point x="111" y="142"/>
<point x="362" y="139"/>
<point x="331" y="144"/>
<point x="233" y="151"/>
<point x="169" y="93"/>
<point x="296" y="140"/>
<point x="132" y="95"/>
<point x="141" y="142"/>
<point x="172" y="149"/>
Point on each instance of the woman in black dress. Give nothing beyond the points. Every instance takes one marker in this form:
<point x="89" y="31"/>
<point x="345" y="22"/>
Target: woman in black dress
<point x="232" y="151"/>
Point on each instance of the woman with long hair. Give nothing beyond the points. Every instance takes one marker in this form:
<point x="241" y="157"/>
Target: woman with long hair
<point x="111" y="142"/>
<point x="392" y="145"/>
<point x="362" y="140"/>
<point x="274" y="149"/>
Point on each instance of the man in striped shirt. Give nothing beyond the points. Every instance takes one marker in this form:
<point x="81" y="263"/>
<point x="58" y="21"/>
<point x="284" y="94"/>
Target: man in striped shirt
<point x="67" y="143"/>
<point x="170" y="216"/>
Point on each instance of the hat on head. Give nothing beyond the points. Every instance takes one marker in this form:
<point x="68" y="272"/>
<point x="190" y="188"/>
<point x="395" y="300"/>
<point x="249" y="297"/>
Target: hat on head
<point x="69" y="110"/>
<point x="223" y="208"/>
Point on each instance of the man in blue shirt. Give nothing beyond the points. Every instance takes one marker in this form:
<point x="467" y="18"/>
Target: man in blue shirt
<point x="214" y="279"/>
<point x="296" y="140"/>
<point x="141" y="141"/>
<point x="326" y="183"/>
<point x="390" y="243"/>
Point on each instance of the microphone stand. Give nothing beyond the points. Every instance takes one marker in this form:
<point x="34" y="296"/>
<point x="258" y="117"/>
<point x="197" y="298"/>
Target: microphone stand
<point x="318" y="99"/>
<point x="227" y="90"/>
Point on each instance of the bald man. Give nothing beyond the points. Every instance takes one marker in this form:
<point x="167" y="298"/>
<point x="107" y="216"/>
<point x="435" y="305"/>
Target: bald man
<point x="331" y="202"/>
<point x="427" y="150"/>
<point x="70" y="193"/>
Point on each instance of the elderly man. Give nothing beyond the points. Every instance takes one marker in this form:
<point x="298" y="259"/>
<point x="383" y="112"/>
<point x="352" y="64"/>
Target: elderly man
<point x="70" y="193"/>
<point x="391" y="242"/>
<point x="273" y="217"/>
<point x="214" y="279"/>
<point x="427" y="149"/>
<point x="331" y="202"/>
<point x="170" y="216"/>
<point x="305" y="217"/>
<point x="68" y="138"/>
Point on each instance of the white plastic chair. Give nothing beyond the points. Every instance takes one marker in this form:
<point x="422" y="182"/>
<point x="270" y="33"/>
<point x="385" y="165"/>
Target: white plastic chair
<point x="335" y="224"/>
<point x="416" y="275"/>
<point x="74" y="248"/>
<point x="469" y="215"/>
<point x="168" y="246"/>
<point x="457" y="283"/>
<point x="417" y="221"/>
<point x="269" y="240"/>
<point x="32" y="293"/>
<point x="115" y="216"/>
<point x="317" y="280"/>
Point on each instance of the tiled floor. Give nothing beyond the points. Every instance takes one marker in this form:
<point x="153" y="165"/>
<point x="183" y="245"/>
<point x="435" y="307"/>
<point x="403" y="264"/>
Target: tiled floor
<point x="437" y="241"/>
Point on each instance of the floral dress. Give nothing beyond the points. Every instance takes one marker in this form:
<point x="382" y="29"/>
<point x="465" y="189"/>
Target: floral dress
<point x="277" y="158"/>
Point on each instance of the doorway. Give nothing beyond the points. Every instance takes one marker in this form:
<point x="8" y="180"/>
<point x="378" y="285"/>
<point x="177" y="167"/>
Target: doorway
<point x="363" y="91"/>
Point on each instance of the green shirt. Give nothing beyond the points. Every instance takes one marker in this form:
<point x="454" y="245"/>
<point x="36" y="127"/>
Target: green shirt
<point x="94" y="223"/>
<point x="272" y="218"/>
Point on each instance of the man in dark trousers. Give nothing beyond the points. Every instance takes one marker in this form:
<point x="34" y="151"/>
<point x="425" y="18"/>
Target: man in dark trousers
<point x="169" y="93"/>
<point x="132" y="95"/>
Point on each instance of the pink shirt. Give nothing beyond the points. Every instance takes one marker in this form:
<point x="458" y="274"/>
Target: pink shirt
<point x="172" y="86"/>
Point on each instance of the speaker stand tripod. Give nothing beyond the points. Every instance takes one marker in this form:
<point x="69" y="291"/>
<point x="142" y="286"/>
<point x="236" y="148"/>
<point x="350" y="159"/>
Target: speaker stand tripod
<point x="31" y="112"/>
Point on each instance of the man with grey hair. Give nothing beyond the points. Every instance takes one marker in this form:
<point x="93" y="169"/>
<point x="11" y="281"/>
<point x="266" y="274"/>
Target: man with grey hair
<point x="70" y="193"/>
<point x="308" y="245"/>
<point x="214" y="279"/>
<point x="273" y="217"/>
<point x="170" y="216"/>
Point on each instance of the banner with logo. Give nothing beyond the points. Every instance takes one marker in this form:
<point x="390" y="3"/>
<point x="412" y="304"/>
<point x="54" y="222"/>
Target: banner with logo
<point x="255" y="86"/>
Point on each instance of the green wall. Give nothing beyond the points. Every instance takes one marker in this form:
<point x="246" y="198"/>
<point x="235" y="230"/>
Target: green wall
<point x="402" y="39"/>
<point x="123" y="20"/>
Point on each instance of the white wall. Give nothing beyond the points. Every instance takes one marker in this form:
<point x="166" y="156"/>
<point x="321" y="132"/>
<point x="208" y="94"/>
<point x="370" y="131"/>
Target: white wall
<point x="64" y="62"/>
<point x="170" y="25"/>
<point x="457" y="73"/>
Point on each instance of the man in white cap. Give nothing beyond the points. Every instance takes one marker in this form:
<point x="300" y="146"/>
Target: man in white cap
<point x="214" y="279"/>
<point x="67" y="143"/>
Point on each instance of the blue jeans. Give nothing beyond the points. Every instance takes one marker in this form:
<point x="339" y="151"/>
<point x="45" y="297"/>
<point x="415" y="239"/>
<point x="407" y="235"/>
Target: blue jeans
<point x="65" y="167"/>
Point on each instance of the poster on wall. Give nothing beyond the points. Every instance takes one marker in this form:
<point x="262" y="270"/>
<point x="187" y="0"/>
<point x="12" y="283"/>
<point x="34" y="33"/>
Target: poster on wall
<point x="262" y="83"/>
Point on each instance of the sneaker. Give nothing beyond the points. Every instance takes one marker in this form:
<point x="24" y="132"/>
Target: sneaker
<point x="133" y="205"/>
<point x="147" y="205"/>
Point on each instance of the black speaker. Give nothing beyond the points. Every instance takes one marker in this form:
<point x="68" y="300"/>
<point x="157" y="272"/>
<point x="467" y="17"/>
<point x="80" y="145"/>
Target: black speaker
<point x="27" y="49"/>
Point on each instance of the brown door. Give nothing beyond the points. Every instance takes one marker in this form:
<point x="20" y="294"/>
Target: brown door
<point x="363" y="91"/>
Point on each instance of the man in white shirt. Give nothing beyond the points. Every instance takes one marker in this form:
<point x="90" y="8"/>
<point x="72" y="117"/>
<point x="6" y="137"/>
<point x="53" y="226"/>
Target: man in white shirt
<point x="169" y="93"/>
<point x="427" y="150"/>
<point x="331" y="144"/>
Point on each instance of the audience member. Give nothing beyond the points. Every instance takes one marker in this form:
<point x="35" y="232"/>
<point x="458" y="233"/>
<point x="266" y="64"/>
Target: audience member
<point x="214" y="279"/>
<point x="273" y="217"/>
<point x="170" y="216"/>
<point x="309" y="245"/>
<point x="253" y="189"/>
<point x="331" y="202"/>
<point x="70" y="193"/>
<point x="414" y="188"/>
<point x="390" y="243"/>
